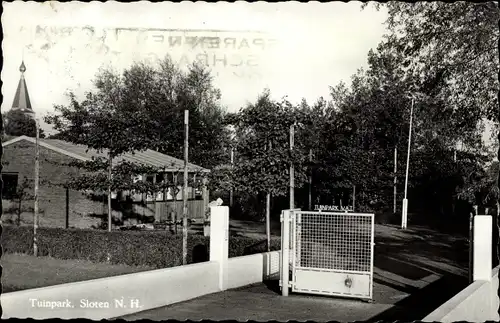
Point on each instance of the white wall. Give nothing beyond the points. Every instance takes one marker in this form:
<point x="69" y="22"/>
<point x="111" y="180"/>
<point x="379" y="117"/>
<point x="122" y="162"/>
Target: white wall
<point x="253" y="269"/>
<point x="477" y="303"/>
<point x="245" y="270"/>
<point x="151" y="289"/>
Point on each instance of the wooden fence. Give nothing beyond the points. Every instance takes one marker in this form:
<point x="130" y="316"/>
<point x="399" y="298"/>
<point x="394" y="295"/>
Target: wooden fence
<point x="164" y="210"/>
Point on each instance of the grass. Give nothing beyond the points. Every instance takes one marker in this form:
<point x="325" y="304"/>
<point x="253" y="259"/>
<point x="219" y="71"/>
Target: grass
<point x="21" y="271"/>
<point x="25" y="271"/>
<point x="420" y="245"/>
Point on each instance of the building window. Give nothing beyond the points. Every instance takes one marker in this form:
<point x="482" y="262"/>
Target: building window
<point x="9" y="188"/>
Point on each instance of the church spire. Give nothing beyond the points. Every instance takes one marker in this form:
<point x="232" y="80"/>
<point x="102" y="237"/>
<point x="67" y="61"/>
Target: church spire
<point x="22" y="101"/>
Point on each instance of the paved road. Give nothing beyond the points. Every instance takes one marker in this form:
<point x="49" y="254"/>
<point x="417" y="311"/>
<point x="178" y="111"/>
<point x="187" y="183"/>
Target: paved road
<point x="258" y="302"/>
<point x="415" y="272"/>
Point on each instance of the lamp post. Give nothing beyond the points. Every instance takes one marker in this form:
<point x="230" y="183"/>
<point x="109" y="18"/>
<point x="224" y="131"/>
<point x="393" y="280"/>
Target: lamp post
<point x="292" y="169"/>
<point x="404" y="217"/>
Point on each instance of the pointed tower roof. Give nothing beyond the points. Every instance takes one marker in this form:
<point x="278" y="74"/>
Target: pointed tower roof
<point x="22" y="99"/>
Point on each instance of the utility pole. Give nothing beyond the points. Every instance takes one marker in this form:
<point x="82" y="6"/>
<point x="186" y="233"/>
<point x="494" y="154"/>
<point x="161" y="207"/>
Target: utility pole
<point x="184" y="193"/>
<point x="395" y="178"/>
<point x="292" y="170"/>
<point x="405" y="200"/>
<point x="231" y="191"/>
<point x="37" y="179"/>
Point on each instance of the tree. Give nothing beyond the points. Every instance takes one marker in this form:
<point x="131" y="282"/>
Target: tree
<point x="262" y="145"/>
<point x="371" y="119"/>
<point x="142" y="108"/>
<point x="443" y="42"/>
<point x="16" y="123"/>
<point x="263" y="155"/>
<point x="150" y="99"/>
<point x="164" y="92"/>
<point x="21" y="196"/>
<point x="450" y="49"/>
<point x="105" y="120"/>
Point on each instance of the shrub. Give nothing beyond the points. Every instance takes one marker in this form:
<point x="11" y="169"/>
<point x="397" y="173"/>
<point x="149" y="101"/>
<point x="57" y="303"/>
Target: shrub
<point x="158" y="249"/>
<point x="242" y="246"/>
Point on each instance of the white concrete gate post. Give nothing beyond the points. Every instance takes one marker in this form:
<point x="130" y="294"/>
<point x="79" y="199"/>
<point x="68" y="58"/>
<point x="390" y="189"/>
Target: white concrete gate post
<point x="482" y="252"/>
<point x="219" y="238"/>
<point x="285" y="243"/>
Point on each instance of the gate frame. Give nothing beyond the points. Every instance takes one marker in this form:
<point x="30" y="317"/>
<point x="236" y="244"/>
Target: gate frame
<point x="288" y="220"/>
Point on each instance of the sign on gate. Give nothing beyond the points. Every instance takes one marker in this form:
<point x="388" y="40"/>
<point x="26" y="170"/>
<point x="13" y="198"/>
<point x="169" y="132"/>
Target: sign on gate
<point x="331" y="253"/>
<point x="333" y="208"/>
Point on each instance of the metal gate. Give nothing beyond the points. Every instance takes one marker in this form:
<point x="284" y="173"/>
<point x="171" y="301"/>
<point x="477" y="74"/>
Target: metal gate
<point x="328" y="253"/>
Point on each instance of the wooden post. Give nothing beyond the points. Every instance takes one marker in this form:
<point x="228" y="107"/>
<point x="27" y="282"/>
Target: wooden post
<point x="268" y="209"/>
<point x="353" y="198"/>
<point x="155" y="193"/>
<point x="231" y="191"/>
<point x="206" y="224"/>
<point x="395" y="179"/>
<point x="292" y="172"/>
<point x="37" y="178"/>
<point x="144" y="198"/>
<point x="175" y="214"/>
<point x="110" y="166"/>
<point x="268" y="221"/>
<point x="193" y="192"/>
<point x="67" y="207"/>
<point x="184" y="193"/>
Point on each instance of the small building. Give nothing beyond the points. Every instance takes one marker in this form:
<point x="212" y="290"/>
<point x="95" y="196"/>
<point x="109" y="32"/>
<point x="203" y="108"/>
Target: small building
<point x="60" y="206"/>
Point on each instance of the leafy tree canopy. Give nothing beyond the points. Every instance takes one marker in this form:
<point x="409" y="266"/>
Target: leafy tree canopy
<point x="143" y="108"/>
<point x="16" y="123"/>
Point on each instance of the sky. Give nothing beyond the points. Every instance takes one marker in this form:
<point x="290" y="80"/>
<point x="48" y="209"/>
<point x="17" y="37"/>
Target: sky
<point x="294" y="49"/>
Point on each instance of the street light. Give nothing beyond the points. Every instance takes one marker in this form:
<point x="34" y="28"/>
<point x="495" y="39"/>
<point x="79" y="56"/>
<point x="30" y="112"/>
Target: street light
<point x="404" y="218"/>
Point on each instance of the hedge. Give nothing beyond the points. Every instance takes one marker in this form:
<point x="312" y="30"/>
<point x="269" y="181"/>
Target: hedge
<point x="157" y="249"/>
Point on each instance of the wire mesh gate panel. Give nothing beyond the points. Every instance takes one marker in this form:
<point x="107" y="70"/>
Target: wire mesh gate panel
<point x="331" y="253"/>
